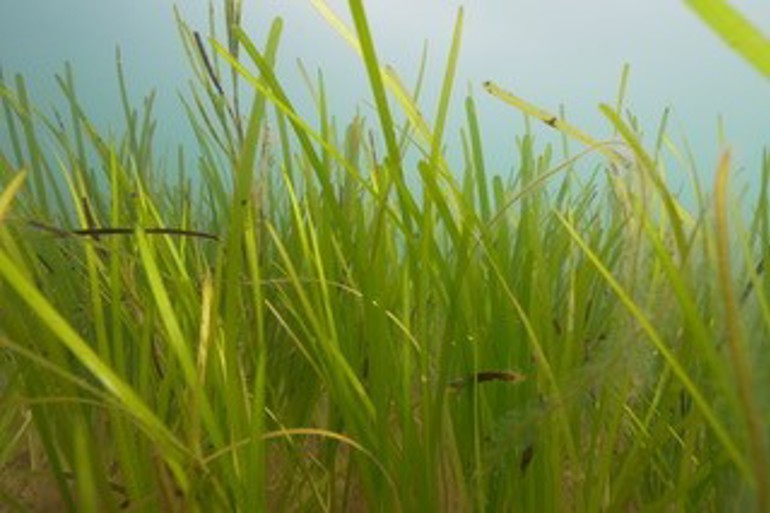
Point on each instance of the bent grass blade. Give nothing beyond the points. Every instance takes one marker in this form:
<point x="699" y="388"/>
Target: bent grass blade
<point x="736" y="341"/>
<point x="554" y="122"/>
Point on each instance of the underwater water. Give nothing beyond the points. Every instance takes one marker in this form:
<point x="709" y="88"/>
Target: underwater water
<point x="551" y="52"/>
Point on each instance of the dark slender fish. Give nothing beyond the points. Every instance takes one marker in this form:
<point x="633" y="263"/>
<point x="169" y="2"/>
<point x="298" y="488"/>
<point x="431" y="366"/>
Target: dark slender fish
<point x="526" y="457"/>
<point x="485" y="376"/>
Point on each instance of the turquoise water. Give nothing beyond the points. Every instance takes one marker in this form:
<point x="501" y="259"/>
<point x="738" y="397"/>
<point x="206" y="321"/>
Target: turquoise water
<point x="551" y="52"/>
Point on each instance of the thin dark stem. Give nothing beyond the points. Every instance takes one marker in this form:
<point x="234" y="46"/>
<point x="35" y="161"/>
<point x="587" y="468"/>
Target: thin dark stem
<point x="95" y="232"/>
<point x="207" y="63"/>
<point x="216" y="82"/>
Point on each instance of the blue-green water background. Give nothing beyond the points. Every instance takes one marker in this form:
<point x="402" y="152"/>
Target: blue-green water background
<point x="551" y="52"/>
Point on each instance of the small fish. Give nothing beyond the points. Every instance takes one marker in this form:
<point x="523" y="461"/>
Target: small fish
<point x="526" y="457"/>
<point x="485" y="376"/>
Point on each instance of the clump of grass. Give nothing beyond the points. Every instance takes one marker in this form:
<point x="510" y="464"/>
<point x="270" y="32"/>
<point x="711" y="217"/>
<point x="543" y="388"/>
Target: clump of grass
<point x="292" y="326"/>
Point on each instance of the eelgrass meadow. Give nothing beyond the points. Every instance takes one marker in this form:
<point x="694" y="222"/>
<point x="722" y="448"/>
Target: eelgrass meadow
<point x="307" y="316"/>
